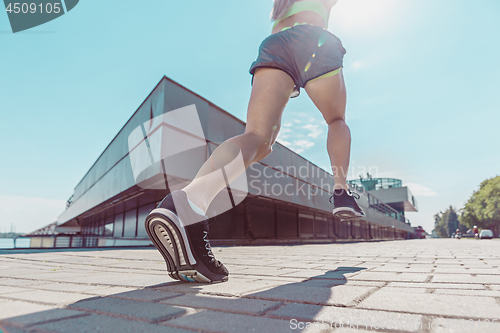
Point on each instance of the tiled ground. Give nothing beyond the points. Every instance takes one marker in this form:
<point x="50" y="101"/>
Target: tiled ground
<point x="442" y="285"/>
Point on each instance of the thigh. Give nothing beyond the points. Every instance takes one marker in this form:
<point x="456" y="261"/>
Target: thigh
<point x="329" y="96"/>
<point x="270" y="93"/>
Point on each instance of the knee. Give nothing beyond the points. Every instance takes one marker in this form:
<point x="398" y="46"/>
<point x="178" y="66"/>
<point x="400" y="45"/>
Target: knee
<point x="335" y="121"/>
<point x="266" y="151"/>
<point x="263" y="144"/>
<point x="265" y="148"/>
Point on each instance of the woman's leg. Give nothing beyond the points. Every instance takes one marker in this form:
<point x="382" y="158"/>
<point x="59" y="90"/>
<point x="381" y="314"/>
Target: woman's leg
<point x="329" y="96"/>
<point x="270" y="93"/>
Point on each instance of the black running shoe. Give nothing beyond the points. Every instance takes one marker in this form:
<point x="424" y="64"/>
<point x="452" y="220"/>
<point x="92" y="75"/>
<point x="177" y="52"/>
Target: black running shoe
<point x="184" y="244"/>
<point x="346" y="207"/>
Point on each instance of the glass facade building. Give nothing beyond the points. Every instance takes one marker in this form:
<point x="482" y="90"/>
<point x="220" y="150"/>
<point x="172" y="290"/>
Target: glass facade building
<point x="387" y="191"/>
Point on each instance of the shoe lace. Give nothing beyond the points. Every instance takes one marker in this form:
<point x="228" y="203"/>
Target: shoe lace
<point x="355" y="195"/>
<point x="331" y="199"/>
<point x="207" y="246"/>
<point x="352" y="194"/>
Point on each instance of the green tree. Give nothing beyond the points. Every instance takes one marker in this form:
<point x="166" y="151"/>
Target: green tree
<point x="447" y="223"/>
<point x="483" y="207"/>
<point x="452" y="223"/>
<point x="439" y="226"/>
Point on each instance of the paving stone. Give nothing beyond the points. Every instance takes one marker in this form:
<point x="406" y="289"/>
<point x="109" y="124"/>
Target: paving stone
<point x="10" y="329"/>
<point x="104" y="324"/>
<point x="234" y="287"/>
<point x="338" y="317"/>
<point x="486" y="293"/>
<point x="365" y="283"/>
<point x="133" y="309"/>
<point x="403" y="269"/>
<point x="249" y="263"/>
<point x="14" y="273"/>
<point x="323" y="327"/>
<point x="484" y="271"/>
<point x="445" y="270"/>
<point x="480" y="266"/>
<point x="234" y="268"/>
<point x="404" y="290"/>
<point x="331" y="283"/>
<point x="379" y="276"/>
<point x="299" y="265"/>
<point x="339" y="295"/>
<point x="149" y="295"/>
<point x="281" y="279"/>
<point x="316" y="327"/>
<point x="229" y="322"/>
<point x="329" y="266"/>
<point x="227" y="304"/>
<point x="437" y="304"/>
<point x="423" y="263"/>
<point x="19" y="308"/>
<point x="400" y="261"/>
<point x="90" y="269"/>
<point x="108" y="290"/>
<point x="470" y="269"/>
<point x="272" y="271"/>
<point x="447" y="261"/>
<point x="43" y="296"/>
<point x="434" y="285"/>
<point x="54" y="275"/>
<point x="9" y="290"/>
<point x="43" y="316"/>
<point x="336" y="274"/>
<point x="364" y="265"/>
<point x="19" y="282"/>
<point x="68" y="287"/>
<point x="443" y="325"/>
<point x="123" y="279"/>
<point x="466" y="278"/>
<point x="346" y="330"/>
<point x="135" y="264"/>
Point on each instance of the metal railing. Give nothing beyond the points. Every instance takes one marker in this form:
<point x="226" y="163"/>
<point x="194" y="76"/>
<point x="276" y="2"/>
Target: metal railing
<point x="376" y="183"/>
<point x="375" y="203"/>
<point x="79" y="241"/>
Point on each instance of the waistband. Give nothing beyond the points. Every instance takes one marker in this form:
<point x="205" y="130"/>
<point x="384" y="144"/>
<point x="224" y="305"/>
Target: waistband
<point x="297" y="24"/>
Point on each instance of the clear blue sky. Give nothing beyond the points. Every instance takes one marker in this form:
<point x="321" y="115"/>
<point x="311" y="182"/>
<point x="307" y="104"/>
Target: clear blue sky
<point x="422" y="78"/>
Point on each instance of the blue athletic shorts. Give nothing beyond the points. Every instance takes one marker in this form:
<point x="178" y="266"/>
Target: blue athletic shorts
<point x="304" y="51"/>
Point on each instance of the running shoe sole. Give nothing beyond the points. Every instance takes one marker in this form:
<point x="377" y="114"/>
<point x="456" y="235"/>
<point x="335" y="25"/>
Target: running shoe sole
<point x="169" y="236"/>
<point x="347" y="213"/>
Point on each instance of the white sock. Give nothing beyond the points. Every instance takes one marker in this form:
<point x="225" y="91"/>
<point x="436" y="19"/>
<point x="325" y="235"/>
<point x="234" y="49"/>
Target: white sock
<point x="196" y="209"/>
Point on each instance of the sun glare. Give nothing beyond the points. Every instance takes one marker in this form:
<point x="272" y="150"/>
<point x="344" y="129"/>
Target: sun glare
<point x="366" y="16"/>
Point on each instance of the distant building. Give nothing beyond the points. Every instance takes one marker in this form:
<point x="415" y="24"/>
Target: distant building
<point x="389" y="191"/>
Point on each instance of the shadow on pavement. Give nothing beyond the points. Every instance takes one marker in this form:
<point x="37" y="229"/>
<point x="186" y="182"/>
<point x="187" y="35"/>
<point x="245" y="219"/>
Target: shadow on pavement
<point x="142" y="309"/>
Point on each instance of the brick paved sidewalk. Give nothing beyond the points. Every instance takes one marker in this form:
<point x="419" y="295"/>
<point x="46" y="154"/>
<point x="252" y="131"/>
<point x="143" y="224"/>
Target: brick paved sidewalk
<point x="442" y="285"/>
